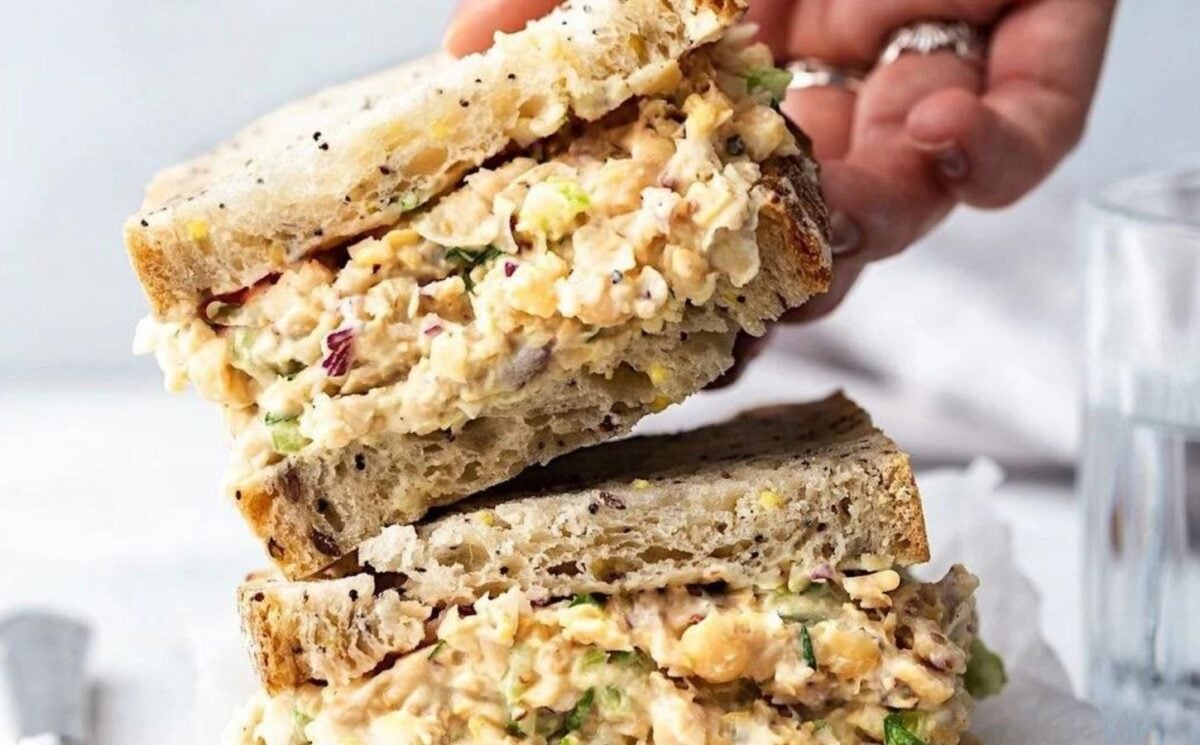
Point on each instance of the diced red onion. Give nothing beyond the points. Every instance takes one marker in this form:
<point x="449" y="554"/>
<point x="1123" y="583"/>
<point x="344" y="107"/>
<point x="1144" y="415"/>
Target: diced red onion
<point x="433" y="330"/>
<point x="822" y="572"/>
<point x="239" y="297"/>
<point x="341" y="346"/>
<point x="509" y="268"/>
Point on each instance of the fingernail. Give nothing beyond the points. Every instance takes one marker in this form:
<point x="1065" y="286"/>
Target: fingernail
<point x="952" y="163"/>
<point x="846" y="235"/>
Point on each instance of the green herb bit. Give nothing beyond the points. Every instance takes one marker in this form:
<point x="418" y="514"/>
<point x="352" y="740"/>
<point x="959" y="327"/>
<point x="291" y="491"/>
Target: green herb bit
<point x="898" y="729"/>
<point x="437" y="648"/>
<point x="471" y="259"/>
<point x="770" y="79"/>
<point x="806" y="646"/>
<point x="985" y="674"/>
<point x="579" y="713"/>
<point x="586" y="598"/>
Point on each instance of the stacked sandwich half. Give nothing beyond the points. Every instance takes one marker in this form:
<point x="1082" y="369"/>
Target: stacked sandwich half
<point x="408" y="290"/>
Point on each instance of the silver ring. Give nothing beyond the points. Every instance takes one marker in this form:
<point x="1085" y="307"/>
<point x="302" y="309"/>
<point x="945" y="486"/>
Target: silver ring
<point x="928" y="37"/>
<point x="813" y="73"/>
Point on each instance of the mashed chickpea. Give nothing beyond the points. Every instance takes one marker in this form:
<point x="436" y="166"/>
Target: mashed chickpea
<point x="546" y="265"/>
<point x="685" y="665"/>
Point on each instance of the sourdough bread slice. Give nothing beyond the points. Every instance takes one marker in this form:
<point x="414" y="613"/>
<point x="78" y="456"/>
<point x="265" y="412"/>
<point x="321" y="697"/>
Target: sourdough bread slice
<point x="309" y="510"/>
<point x="353" y="158"/>
<point x="762" y="500"/>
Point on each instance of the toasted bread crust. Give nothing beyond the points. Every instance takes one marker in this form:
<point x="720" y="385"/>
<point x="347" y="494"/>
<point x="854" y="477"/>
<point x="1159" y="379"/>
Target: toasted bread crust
<point x="353" y="158"/>
<point x="310" y="510"/>
<point x="340" y="629"/>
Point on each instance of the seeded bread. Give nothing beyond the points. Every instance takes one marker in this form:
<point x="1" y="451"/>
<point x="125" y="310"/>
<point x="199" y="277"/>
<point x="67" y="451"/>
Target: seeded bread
<point x="353" y="158"/>
<point x="310" y="510"/>
<point x="770" y="495"/>
<point x="336" y="630"/>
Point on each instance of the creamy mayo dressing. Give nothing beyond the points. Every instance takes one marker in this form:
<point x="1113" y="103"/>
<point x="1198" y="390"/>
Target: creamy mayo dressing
<point x="685" y="665"/>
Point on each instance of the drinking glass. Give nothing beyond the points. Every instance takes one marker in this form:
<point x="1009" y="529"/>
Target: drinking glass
<point x="1140" y="471"/>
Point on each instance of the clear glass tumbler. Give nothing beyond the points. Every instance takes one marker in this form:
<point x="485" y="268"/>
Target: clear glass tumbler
<point x="1140" y="470"/>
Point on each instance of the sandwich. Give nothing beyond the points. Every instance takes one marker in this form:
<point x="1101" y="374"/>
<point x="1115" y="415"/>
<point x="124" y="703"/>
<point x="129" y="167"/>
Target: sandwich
<point x="407" y="289"/>
<point x="741" y="583"/>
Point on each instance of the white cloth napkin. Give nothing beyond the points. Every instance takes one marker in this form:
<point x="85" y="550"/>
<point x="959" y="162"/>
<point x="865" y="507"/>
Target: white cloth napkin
<point x="1037" y="705"/>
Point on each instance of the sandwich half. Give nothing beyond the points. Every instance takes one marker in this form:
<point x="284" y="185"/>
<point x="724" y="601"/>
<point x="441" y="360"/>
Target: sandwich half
<point x="742" y="583"/>
<point x="408" y="289"/>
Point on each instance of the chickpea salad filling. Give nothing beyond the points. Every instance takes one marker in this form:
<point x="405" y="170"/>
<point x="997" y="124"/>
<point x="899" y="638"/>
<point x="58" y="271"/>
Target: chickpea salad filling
<point x="544" y="265"/>
<point x="835" y="660"/>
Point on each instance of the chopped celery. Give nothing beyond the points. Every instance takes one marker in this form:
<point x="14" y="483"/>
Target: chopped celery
<point x="771" y="79"/>
<point x="612" y="699"/>
<point x="285" y="433"/>
<point x="985" y="674"/>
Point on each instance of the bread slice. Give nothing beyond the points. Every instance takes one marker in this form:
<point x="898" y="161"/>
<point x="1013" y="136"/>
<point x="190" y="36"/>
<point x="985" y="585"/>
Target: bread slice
<point x="310" y="510"/>
<point x="758" y="501"/>
<point x="353" y="158"/>
<point x="327" y="630"/>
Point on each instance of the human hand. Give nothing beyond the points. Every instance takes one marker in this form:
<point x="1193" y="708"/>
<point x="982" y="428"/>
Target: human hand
<point x="923" y="133"/>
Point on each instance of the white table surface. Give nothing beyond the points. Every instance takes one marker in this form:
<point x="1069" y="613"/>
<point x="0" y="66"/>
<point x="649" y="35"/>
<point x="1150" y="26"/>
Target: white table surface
<point x="110" y="511"/>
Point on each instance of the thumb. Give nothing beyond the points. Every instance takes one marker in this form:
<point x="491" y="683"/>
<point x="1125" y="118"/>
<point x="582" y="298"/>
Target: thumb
<point x="475" y="22"/>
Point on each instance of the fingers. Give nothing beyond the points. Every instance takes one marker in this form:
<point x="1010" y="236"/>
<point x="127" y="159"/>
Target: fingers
<point x="985" y="159"/>
<point x="476" y="22"/>
<point x="991" y="151"/>
<point x="1045" y="62"/>
<point x="883" y="191"/>
<point x="774" y="21"/>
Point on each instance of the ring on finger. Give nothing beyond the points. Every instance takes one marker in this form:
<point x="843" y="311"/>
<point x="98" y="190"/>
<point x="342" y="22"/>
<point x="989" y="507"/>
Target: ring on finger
<point x="814" y="73"/>
<point x="922" y="37"/>
<point x="929" y="37"/>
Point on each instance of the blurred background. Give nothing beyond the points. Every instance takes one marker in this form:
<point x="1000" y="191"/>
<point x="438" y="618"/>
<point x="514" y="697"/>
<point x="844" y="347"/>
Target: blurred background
<point x="965" y="345"/>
